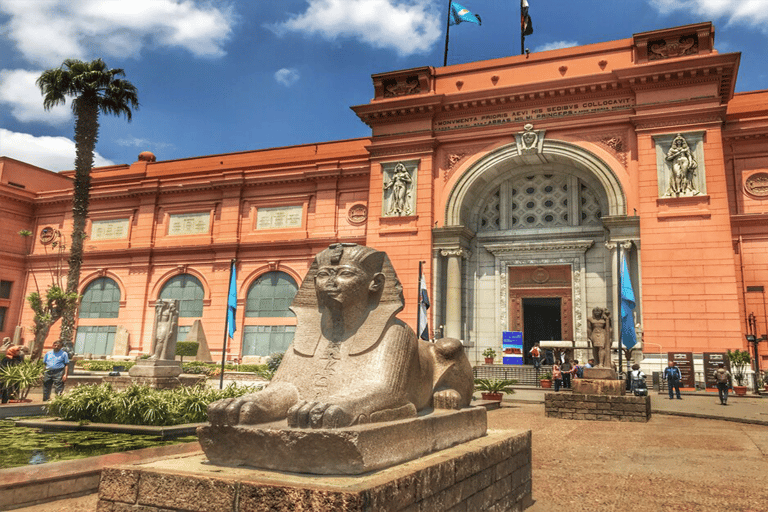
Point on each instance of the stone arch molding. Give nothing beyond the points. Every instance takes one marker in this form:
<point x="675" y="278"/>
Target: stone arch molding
<point x="507" y="161"/>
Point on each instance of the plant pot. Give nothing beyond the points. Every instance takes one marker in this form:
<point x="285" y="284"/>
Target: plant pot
<point x="546" y="383"/>
<point x="765" y="386"/>
<point x="488" y="360"/>
<point x="740" y="390"/>
<point x="492" y="396"/>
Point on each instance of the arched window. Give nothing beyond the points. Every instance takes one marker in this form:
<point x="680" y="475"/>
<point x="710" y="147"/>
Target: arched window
<point x="189" y="291"/>
<point x="101" y="299"/>
<point x="267" y="300"/>
<point x="270" y="295"/>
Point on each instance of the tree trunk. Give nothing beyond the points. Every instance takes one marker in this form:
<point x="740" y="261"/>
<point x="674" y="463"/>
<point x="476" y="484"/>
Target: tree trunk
<point x="86" y="134"/>
<point x="41" y="332"/>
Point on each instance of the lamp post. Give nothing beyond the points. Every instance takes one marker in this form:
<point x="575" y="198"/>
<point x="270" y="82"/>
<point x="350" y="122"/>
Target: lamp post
<point x="755" y="341"/>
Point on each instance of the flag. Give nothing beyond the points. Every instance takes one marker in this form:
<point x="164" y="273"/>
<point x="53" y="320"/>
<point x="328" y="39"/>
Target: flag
<point x="526" y="25"/>
<point x="232" y="301"/>
<point x="628" y="335"/>
<point x="460" y="13"/>
<point x="423" y="307"/>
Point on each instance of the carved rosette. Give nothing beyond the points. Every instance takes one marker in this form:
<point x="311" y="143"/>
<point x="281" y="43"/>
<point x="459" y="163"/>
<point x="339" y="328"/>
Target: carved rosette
<point x="357" y="214"/>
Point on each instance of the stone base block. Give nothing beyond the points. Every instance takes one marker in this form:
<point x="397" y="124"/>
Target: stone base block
<point x="599" y="387"/>
<point x="600" y="373"/>
<point x="577" y="406"/>
<point x="345" y="451"/>
<point x="121" y="383"/>
<point x="488" y="473"/>
<point x="155" y="368"/>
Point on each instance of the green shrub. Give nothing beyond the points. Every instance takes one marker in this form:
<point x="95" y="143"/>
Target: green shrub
<point x="187" y="348"/>
<point x="140" y="405"/>
<point x="102" y="365"/>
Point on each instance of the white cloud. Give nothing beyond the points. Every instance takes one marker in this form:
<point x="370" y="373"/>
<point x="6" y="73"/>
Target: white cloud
<point x="18" y="90"/>
<point x="143" y="144"/>
<point x="556" y="45"/>
<point x="52" y="153"/>
<point x="287" y="76"/>
<point x="748" y="12"/>
<point x="408" y="26"/>
<point x="48" y="31"/>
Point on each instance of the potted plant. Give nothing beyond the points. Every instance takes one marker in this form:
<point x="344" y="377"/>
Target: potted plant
<point x="765" y="380"/>
<point x="489" y="354"/>
<point x="739" y="359"/>
<point x="493" y="389"/>
<point x="545" y="379"/>
<point x="18" y="379"/>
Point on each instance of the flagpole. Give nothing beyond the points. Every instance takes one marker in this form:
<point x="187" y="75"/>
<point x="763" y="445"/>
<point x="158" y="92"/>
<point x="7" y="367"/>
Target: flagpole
<point x="621" y="305"/>
<point x="447" y="31"/>
<point x="226" y="327"/>
<point x="418" y="301"/>
<point x="522" y="31"/>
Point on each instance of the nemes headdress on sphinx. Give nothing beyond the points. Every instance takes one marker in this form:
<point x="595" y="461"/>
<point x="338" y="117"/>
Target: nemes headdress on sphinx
<point x="383" y="306"/>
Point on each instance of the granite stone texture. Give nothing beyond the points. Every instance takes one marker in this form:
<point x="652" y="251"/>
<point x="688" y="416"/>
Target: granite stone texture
<point x="489" y="473"/>
<point x="600" y="373"/>
<point x="346" y="451"/>
<point x="589" y="386"/>
<point x="578" y="406"/>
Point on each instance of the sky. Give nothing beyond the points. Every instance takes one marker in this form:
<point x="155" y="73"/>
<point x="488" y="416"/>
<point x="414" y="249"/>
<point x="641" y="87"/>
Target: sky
<point x="238" y="75"/>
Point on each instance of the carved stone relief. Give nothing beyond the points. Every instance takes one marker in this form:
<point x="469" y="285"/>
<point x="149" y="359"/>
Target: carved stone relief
<point x="399" y="193"/>
<point x="615" y="144"/>
<point x="529" y="141"/>
<point x="401" y="86"/>
<point x="680" y="164"/>
<point x="673" y="47"/>
<point x="357" y="214"/>
<point x="757" y="184"/>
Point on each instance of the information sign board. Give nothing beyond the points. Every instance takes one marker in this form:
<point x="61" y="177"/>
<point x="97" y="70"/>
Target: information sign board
<point x="512" y="346"/>
<point x="711" y="360"/>
<point x="684" y="361"/>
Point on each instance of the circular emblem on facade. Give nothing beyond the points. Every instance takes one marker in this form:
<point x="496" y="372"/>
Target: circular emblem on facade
<point x="757" y="184"/>
<point x="540" y="275"/>
<point x="48" y="235"/>
<point x="357" y="214"/>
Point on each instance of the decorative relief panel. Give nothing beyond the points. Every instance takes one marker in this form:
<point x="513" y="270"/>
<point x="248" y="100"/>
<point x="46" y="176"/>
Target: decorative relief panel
<point x="673" y="47"/>
<point x="757" y="185"/>
<point x="680" y="164"/>
<point x="357" y="213"/>
<point x="399" y="191"/>
<point x="614" y="144"/>
<point x="279" y="217"/>
<point x="189" y="224"/>
<point x="115" y="229"/>
<point x="529" y="141"/>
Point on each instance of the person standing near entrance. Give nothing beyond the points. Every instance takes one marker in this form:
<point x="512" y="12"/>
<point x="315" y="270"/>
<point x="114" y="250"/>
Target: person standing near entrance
<point x="724" y="381"/>
<point x="536" y="356"/>
<point x="56" y="362"/>
<point x="672" y="376"/>
<point x="567" y="369"/>
<point x="557" y="375"/>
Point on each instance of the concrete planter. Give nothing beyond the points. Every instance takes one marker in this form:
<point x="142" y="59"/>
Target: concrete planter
<point x="492" y="396"/>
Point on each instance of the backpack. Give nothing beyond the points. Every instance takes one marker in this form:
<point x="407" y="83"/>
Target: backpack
<point x="721" y="376"/>
<point x="580" y="372"/>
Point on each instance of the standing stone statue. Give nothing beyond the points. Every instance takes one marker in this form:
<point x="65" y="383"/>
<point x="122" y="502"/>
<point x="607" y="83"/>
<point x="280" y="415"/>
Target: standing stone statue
<point x="683" y="169"/>
<point x="400" y="185"/>
<point x="166" y="330"/>
<point x="352" y="361"/>
<point x="599" y="333"/>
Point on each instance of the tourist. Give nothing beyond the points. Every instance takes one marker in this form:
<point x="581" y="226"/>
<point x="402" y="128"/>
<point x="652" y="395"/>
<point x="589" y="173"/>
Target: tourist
<point x="56" y="362"/>
<point x="577" y="370"/>
<point x="536" y="356"/>
<point x="724" y="381"/>
<point x="557" y="376"/>
<point x="672" y="376"/>
<point x="567" y="369"/>
<point x="590" y="364"/>
<point x="13" y="356"/>
<point x="636" y="377"/>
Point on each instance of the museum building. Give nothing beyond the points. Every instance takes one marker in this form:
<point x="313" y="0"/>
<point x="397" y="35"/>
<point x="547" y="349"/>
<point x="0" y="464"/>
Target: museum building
<point x="519" y="182"/>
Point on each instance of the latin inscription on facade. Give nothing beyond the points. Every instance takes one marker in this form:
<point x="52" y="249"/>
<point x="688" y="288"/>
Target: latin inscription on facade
<point x="576" y="108"/>
<point x="115" y="229"/>
<point x="189" y="224"/>
<point x="279" y="218"/>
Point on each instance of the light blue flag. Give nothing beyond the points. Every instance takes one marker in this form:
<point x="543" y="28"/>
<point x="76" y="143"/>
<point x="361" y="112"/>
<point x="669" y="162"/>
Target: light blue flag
<point x="628" y="335"/>
<point x="232" y="301"/>
<point x="460" y="13"/>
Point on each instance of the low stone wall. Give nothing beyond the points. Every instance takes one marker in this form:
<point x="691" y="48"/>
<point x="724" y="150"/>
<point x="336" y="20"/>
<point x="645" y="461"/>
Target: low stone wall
<point x="577" y="406"/>
<point x="489" y="473"/>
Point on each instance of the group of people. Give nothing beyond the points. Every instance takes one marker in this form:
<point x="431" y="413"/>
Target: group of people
<point x="55" y="375"/>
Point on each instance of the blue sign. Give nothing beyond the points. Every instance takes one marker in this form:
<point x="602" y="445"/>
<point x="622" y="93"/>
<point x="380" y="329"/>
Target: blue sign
<point x="512" y="347"/>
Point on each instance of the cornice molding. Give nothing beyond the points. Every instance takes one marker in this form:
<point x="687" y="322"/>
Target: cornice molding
<point x="498" y="248"/>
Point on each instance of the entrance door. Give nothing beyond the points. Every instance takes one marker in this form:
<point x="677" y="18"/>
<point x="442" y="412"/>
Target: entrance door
<point x="541" y="322"/>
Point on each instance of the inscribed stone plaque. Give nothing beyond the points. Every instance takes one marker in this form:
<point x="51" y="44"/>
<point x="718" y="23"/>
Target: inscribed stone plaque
<point x="115" y="229"/>
<point x="711" y="360"/>
<point x="279" y="217"/>
<point x="189" y="224"/>
<point x="684" y="361"/>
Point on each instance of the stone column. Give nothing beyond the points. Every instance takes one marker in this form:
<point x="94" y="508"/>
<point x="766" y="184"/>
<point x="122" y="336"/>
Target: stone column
<point x="453" y="295"/>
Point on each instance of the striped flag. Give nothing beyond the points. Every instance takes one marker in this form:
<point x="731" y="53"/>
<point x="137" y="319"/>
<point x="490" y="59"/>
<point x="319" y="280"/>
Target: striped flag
<point x="460" y="13"/>
<point x="526" y="25"/>
<point x="423" y="307"/>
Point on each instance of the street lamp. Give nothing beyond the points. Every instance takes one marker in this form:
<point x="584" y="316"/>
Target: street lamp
<point x="755" y="341"/>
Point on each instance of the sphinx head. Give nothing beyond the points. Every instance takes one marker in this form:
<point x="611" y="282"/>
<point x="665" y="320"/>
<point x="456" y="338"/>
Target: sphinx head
<point x="349" y="274"/>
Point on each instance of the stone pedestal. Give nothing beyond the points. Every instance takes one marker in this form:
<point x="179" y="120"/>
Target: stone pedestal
<point x="345" y="451"/>
<point x="489" y="473"/>
<point x="123" y="382"/>
<point x="155" y="368"/>
<point x="577" y="406"/>
<point x="599" y="387"/>
<point x="600" y="373"/>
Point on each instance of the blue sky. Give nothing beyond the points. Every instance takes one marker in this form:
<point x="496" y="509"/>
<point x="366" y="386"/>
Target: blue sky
<point x="227" y="76"/>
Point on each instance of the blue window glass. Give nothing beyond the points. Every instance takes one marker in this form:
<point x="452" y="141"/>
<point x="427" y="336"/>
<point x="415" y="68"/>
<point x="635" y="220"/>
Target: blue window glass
<point x="101" y="299"/>
<point x="188" y="290"/>
<point x="271" y="295"/>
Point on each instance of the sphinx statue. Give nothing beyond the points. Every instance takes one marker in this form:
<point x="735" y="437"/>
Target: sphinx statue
<point x="352" y="361"/>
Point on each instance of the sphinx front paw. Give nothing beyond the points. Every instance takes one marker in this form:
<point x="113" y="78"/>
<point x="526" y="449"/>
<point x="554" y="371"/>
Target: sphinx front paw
<point x="306" y="414"/>
<point x="446" y="399"/>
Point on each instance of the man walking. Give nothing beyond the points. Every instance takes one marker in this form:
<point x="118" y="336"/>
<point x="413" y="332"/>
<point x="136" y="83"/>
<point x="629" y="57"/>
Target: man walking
<point x="723" y="380"/>
<point x="536" y="356"/>
<point x="56" y="362"/>
<point x="672" y="376"/>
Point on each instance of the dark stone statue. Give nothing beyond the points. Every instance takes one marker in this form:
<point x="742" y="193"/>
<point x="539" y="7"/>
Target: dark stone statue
<point x="599" y="333"/>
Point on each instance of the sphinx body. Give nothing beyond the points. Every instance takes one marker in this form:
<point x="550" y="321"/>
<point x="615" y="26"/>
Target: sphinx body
<point x="352" y="361"/>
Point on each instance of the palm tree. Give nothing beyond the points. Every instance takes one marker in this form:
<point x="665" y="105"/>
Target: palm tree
<point x="95" y="89"/>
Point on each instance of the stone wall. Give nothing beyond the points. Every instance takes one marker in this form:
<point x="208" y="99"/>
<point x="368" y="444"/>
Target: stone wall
<point x="575" y="406"/>
<point x="492" y="473"/>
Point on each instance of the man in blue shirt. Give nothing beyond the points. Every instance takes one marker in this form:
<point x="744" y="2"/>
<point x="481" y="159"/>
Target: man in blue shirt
<point x="56" y="364"/>
<point x="672" y="376"/>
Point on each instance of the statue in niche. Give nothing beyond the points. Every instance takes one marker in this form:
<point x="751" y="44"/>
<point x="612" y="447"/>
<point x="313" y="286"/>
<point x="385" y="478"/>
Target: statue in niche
<point x="166" y="330"/>
<point x="683" y="169"/>
<point x="599" y="333"/>
<point x="352" y="361"/>
<point x="399" y="185"/>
